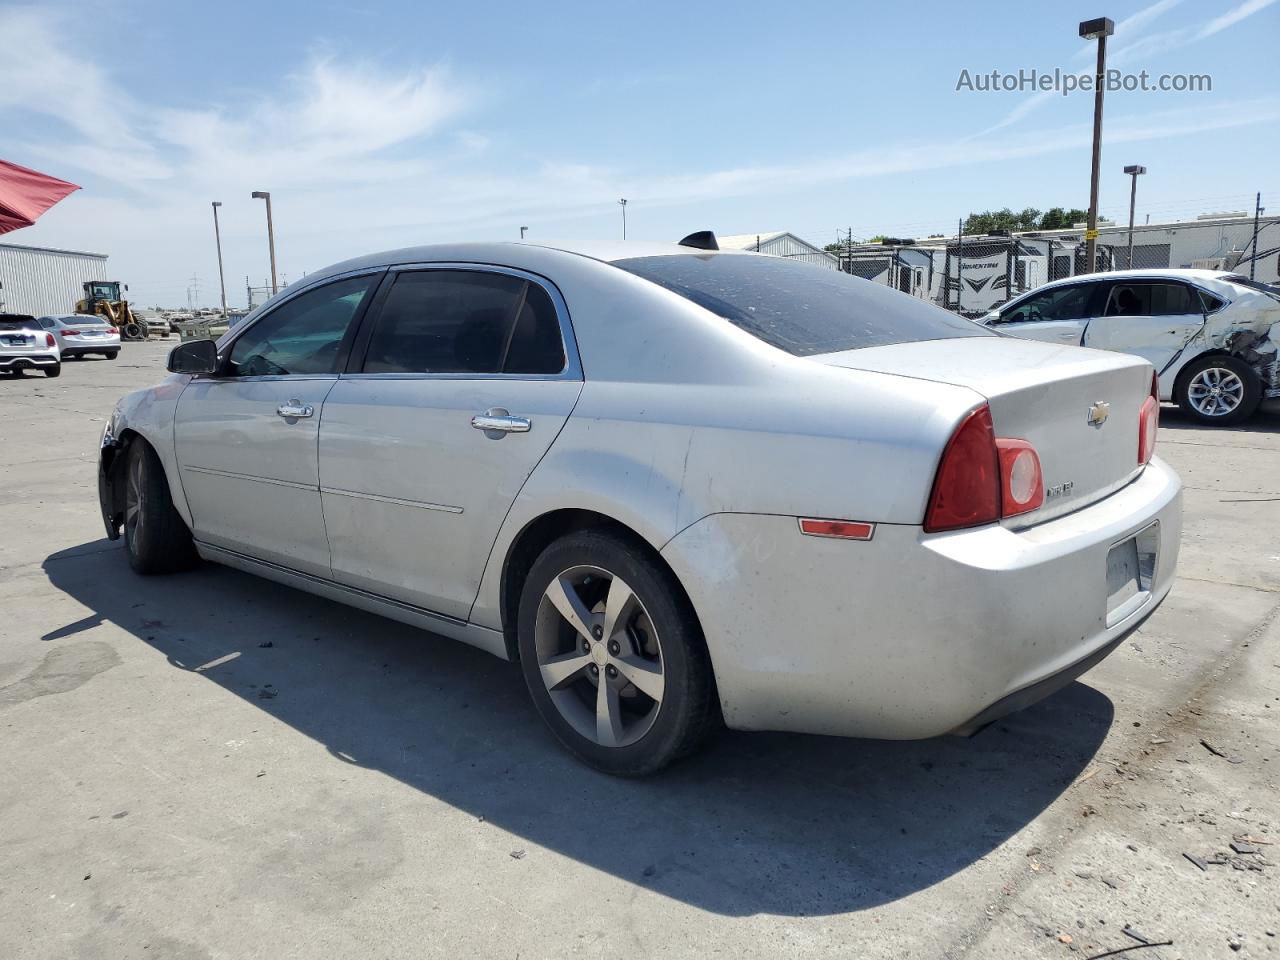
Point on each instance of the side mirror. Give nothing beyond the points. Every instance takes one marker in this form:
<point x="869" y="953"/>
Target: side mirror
<point x="194" y="356"/>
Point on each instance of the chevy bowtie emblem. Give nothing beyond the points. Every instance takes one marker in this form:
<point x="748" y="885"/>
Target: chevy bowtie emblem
<point x="1099" y="412"/>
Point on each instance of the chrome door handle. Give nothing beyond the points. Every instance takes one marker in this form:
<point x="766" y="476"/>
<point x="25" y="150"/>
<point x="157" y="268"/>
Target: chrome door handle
<point x="499" y="420"/>
<point x="295" y="409"/>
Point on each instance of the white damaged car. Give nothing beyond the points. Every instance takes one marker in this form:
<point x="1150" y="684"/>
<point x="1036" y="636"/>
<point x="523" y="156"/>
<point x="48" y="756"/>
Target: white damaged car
<point x="676" y="485"/>
<point x="1211" y="335"/>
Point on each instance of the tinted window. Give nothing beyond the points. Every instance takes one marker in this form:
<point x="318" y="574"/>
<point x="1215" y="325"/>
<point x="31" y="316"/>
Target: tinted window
<point x="1210" y="302"/>
<point x="460" y="321"/>
<point x="1152" y="300"/>
<point x="799" y="308"/>
<point x="303" y="335"/>
<point x="1071" y="302"/>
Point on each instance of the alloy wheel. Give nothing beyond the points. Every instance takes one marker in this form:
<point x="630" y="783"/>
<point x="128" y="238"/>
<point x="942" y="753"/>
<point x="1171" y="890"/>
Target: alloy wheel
<point x="599" y="656"/>
<point x="133" y="504"/>
<point x="1215" y="391"/>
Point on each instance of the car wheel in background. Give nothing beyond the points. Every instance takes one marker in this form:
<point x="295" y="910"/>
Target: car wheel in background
<point x="1219" y="390"/>
<point x="613" y="655"/>
<point x="155" y="535"/>
<point x="54" y="371"/>
<point x="111" y="354"/>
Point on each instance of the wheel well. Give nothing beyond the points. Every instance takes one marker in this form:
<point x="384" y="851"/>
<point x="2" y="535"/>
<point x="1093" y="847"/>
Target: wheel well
<point x="536" y="537"/>
<point x="115" y="470"/>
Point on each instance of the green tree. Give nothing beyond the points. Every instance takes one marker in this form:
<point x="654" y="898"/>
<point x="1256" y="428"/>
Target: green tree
<point x="1006" y="219"/>
<point x="1055" y="218"/>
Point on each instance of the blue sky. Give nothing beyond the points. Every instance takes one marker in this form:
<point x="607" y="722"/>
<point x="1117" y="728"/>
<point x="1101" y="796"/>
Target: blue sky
<point x="409" y="122"/>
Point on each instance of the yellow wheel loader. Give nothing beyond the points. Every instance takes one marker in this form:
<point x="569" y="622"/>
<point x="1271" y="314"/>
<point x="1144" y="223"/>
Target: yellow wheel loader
<point x="102" y="298"/>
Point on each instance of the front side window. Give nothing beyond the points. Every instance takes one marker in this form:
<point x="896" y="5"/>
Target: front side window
<point x="303" y="335"/>
<point x="1152" y="300"/>
<point x="465" y="321"/>
<point x="1072" y="302"/>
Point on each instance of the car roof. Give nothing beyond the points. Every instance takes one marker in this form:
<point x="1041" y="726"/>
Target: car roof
<point x="1155" y="273"/>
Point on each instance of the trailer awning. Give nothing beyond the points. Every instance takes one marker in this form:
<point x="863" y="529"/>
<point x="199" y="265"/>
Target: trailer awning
<point x="26" y="194"/>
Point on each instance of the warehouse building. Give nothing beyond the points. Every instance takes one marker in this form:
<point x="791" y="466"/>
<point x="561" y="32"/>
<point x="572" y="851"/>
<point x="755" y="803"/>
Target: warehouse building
<point x="43" y="280"/>
<point x="780" y="243"/>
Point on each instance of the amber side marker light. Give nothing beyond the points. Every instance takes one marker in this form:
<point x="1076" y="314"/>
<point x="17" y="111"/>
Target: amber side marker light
<point x="838" y="529"/>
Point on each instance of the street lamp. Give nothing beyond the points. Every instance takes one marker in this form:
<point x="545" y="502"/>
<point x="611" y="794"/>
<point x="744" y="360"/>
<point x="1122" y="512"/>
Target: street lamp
<point x="623" y="204"/>
<point x="217" y="236"/>
<point x="522" y="230"/>
<point x="1098" y="29"/>
<point x="1134" y="171"/>
<point x="271" y="236"/>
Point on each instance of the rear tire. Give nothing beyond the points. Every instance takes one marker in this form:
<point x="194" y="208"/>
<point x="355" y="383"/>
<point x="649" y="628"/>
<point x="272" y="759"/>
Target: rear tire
<point x="631" y="702"/>
<point x="1219" y="391"/>
<point x="155" y="536"/>
<point x="54" y="371"/>
<point x="111" y="354"/>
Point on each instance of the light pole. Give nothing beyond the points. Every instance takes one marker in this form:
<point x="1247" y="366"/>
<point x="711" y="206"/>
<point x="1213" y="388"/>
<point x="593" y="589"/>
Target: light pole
<point x="271" y="237"/>
<point x="522" y="230"/>
<point x="217" y="236"/>
<point x="1134" y="171"/>
<point x="1098" y="29"/>
<point x="623" y="204"/>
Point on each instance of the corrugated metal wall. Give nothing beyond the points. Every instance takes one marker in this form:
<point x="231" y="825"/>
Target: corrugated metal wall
<point x="788" y="246"/>
<point x="42" y="281"/>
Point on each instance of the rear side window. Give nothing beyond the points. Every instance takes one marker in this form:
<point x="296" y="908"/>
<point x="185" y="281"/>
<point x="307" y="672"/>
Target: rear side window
<point x="802" y="309"/>
<point x="465" y="321"/>
<point x="1210" y="302"/>
<point x="1152" y="300"/>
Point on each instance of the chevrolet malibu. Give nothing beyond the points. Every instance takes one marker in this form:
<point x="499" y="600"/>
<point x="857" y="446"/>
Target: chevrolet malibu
<point x="677" y="486"/>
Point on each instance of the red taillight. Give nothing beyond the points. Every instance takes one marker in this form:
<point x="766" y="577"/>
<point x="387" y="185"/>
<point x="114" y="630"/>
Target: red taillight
<point x="982" y="478"/>
<point x="49" y="341"/>
<point x="71" y="333"/>
<point x="113" y="330"/>
<point x="1021" y="483"/>
<point x="1149" y="423"/>
<point x="966" y="491"/>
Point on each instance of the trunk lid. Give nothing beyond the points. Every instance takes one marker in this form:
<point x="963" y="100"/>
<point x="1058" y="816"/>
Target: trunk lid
<point x="1046" y="394"/>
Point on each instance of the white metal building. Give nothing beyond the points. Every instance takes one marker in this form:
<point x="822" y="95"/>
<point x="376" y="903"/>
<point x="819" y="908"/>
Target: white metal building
<point x="42" y="280"/>
<point x="779" y="243"/>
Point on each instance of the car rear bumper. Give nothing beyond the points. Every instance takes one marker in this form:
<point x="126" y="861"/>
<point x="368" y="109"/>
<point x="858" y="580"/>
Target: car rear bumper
<point x="73" y="348"/>
<point x="912" y="635"/>
<point x="28" y="361"/>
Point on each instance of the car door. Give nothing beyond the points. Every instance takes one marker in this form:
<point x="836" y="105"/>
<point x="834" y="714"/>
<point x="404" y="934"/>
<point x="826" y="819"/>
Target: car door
<point x="1151" y="318"/>
<point x="246" y="438"/>
<point x="461" y="379"/>
<point x="1056" y="315"/>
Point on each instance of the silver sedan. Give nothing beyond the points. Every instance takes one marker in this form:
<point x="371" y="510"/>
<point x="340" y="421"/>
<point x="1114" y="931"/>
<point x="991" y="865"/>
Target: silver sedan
<point x="680" y="487"/>
<point x="80" y="334"/>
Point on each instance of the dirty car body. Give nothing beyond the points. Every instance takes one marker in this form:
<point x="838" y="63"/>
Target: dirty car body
<point x="775" y="439"/>
<point x="1172" y="317"/>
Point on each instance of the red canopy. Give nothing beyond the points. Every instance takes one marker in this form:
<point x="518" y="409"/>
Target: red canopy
<point x="26" y="194"/>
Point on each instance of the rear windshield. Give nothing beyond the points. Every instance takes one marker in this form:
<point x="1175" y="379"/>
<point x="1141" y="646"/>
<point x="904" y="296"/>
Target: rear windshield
<point x="83" y="320"/>
<point x="1268" y="288"/>
<point x="800" y="308"/>
<point x="17" y="322"/>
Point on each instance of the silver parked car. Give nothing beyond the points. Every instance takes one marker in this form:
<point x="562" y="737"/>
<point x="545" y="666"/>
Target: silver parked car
<point x="79" y="334"/>
<point x="675" y="484"/>
<point x="25" y="346"/>
<point x="1212" y="336"/>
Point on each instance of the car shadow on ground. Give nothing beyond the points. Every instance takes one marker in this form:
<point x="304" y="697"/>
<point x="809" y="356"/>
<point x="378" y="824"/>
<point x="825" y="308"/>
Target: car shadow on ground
<point x="1265" y="420"/>
<point x="757" y="823"/>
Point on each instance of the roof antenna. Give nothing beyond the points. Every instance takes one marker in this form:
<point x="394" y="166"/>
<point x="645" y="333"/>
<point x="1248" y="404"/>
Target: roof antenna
<point x="701" y="240"/>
